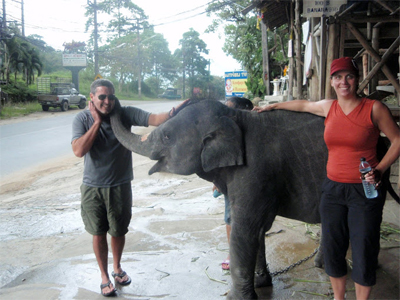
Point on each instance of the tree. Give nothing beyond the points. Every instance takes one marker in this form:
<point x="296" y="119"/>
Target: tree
<point x="125" y="16"/>
<point x="243" y="41"/>
<point x="190" y="54"/>
<point x="51" y="59"/>
<point x="30" y="61"/>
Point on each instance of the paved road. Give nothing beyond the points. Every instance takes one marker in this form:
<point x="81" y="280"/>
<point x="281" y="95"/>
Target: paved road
<point x="29" y="143"/>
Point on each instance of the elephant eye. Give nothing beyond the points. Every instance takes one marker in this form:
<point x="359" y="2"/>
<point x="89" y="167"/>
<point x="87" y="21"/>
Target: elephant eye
<point x="166" y="137"/>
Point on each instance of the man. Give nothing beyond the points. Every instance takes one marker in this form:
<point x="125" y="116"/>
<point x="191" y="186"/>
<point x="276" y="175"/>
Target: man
<point x="106" y="188"/>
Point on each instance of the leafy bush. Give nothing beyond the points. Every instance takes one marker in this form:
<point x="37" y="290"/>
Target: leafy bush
<point x="19" y="92"/>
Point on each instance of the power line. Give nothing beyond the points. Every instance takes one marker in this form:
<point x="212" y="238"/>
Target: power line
<point x="192" y="16"/>
<point x="190" y="10"/>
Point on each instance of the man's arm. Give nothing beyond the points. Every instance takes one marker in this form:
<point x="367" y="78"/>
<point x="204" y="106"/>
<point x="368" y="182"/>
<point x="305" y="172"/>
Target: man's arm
<point x="158" y="119"/>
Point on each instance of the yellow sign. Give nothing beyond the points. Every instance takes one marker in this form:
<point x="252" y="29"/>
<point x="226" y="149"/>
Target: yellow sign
<point x="98" y="76"/>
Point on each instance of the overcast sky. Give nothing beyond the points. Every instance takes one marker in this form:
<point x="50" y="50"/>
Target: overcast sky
<point x="59" y="21"/>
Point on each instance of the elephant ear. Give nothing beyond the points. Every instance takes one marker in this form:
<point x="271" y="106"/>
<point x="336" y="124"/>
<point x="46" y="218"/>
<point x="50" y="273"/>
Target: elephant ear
<point x="223" y="147"/>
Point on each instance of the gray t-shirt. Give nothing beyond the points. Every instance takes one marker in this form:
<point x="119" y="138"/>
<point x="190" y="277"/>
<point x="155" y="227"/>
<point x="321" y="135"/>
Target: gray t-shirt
<point x="108" y="163"/>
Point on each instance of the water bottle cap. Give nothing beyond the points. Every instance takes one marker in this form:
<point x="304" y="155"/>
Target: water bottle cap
<point x="362" y="158"/>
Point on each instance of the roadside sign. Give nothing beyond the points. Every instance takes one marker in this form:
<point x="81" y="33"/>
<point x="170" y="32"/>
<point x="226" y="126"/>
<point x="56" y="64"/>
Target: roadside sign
<point x="235" y="83"/>
<point x="98" y="76"/>
<point x="319" y="8"/>
<point x="74" y="60"/>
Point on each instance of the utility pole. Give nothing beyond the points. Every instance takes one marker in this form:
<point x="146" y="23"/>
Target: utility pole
<point x="183" y="77"/>
<point x="96" y="45"/>
<point x="22" y="18"/>
<point x="4" y="15"/>
<point x="95" y="37"/>
<point x="139" y="62"/>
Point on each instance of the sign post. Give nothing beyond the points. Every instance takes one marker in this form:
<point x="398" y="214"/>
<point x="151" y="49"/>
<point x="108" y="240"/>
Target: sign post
<point x="235" y="84"/>
<point x="74" y="62"/>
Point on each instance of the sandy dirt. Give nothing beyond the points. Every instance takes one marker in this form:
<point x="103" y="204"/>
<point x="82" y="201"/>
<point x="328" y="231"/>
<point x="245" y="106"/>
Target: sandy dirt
<point x="174" y="249"/>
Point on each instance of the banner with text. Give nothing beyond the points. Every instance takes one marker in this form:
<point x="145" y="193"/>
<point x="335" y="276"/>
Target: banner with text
<point x="319" y="8"/>
<point x="235" y="83"/>
<point x="74" y="60"/>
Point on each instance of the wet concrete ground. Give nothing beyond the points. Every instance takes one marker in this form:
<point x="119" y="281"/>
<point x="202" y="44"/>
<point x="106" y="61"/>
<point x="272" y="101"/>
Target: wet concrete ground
<point x="174" y="249"/>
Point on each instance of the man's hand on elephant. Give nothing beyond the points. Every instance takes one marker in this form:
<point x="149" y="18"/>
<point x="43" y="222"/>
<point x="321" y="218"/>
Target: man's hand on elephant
<point x="174" y="110"/>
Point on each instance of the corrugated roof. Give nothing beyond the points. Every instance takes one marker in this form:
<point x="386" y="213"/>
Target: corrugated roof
<point x="275" y="12"/>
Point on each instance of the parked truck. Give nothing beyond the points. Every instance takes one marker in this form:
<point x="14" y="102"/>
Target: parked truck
<point x="60" y="93"/>
<point x="170" y="93"/>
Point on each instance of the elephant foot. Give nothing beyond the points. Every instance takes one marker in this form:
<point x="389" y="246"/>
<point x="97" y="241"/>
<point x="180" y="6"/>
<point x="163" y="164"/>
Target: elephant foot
<point x="318" y="264"/>
<point x="262" y="280"/>
<point x="234" y="295"/>
<point x="319" y="260"/>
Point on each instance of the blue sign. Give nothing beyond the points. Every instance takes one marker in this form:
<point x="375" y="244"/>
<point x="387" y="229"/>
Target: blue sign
<point x="235" y="83"/>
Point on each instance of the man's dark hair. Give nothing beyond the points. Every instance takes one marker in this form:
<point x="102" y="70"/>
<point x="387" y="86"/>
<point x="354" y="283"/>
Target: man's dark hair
<point x="241" y="103"/>
<point x="101" y="82"/>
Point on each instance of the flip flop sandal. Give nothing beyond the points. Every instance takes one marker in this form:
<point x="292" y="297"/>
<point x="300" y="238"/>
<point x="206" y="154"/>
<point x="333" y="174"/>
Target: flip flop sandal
<point x="225" y="264"/>
<point x="121" y="275"/>
<point x="104" y="285"/>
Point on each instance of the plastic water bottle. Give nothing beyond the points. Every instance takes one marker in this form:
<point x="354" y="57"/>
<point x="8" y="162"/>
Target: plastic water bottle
<point x="369" y="188"/>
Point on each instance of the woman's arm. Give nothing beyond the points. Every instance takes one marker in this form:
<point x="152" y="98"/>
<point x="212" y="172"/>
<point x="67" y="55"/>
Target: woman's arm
<point x="320" y="108"/>
<point x="382" y="118"/>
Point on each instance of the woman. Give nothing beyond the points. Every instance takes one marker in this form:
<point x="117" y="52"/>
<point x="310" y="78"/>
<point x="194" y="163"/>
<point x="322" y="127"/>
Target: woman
<point x="352" y="128"/>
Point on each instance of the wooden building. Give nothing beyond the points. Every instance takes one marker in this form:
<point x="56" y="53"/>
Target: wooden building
<point x="365" y="30"/>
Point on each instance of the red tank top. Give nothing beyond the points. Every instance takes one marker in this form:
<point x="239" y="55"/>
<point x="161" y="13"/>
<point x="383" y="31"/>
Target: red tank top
<point x="349" y="138"/>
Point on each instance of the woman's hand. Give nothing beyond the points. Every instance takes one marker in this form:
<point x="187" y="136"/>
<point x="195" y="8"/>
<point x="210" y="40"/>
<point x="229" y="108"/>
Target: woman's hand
<point x="375" y="177"/>
<point x="264" y="108"/>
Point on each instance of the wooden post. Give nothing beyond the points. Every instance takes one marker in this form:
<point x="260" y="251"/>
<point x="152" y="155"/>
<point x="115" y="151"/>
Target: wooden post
<point x="375" y="46"/>
<point x="374" y="54"/>
<point x="379" y="65"/>
<point x="299" y="77"/>
<point x="322" y="59"/>
<point x="342" y="39"/>
<point x="332" y="53"/>
<point x="365" y="70"/>
<point x="291" y="59"/>
<point x="264" y="38"/>
<point x="314" y="86"/>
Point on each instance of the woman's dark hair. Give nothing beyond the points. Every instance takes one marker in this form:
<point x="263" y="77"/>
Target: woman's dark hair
<point x="241" y="103"/>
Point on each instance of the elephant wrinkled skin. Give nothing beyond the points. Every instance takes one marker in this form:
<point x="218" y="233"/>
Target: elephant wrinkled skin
<point x="268" y="164"/>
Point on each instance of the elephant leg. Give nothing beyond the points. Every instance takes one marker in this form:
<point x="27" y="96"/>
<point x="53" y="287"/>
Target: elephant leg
<point x="319" y="258"/>
<point x="262" y="276"/>
<point x="243" y="255"/>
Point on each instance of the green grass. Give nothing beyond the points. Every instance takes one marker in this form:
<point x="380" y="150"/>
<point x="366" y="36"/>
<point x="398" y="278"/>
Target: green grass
<point x="12" y="110"/>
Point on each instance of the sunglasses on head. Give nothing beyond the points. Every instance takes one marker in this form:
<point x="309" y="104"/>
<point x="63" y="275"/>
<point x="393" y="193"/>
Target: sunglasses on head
<point x="103" y="97"/>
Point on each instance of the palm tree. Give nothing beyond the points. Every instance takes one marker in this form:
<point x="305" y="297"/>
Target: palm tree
<point x="22" y="58"/>
<point x="30" y="61"/>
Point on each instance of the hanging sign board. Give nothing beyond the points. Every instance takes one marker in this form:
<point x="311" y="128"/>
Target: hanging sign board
<point x="235" y="83"/>
<point x="74" y="60"/>
<point x="319" y="8"/>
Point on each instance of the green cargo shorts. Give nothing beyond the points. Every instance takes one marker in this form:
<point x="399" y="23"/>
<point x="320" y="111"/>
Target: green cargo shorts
<point x="106" y="209"/>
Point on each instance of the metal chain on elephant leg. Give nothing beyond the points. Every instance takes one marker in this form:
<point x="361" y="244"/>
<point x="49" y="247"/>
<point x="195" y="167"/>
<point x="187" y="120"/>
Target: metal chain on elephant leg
<point x="295" y="264"/>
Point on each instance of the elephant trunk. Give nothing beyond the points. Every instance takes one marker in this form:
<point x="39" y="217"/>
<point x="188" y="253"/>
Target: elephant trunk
<point x="128" y="139"/>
